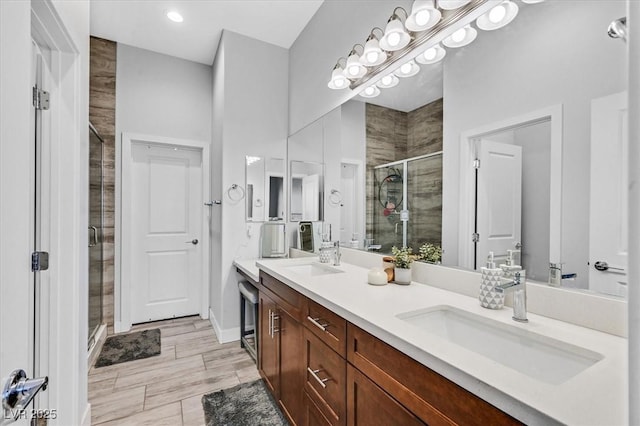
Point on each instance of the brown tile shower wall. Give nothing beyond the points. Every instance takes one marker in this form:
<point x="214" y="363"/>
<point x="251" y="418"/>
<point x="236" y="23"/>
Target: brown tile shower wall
<point x="394" y="135"/>
<point x="102" y="114"/>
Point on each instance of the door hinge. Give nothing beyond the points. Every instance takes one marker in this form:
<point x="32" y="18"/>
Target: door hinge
<point x="475" y="237"/>
<point x="40" y="99"/>
<point x="476" y="163"/>
<point x="39" y="261"/>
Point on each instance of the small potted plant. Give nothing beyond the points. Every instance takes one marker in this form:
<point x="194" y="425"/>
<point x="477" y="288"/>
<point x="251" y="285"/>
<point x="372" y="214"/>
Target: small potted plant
<point x="402" y="259"/>
<point x="431" y="253"/>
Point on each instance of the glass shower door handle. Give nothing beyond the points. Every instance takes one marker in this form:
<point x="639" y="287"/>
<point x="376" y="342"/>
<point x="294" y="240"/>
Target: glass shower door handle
<point x="94" y="239"/>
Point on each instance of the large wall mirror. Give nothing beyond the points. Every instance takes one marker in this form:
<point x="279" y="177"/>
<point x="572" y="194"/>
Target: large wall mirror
<point x="507" y="145"/>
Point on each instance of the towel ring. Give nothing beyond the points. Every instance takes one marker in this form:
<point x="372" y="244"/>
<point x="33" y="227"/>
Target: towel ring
<point x="235" y="188"/>
<point x="335" y="197"/>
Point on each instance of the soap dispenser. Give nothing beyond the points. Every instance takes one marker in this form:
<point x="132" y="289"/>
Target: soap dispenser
<point x="490" y="278"/>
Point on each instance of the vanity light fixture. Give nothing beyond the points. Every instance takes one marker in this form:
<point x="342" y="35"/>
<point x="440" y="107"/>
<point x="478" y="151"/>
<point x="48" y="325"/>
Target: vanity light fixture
<point x="388" y="81"/>
<point x="354" y="68"/>
<point x="452" y="4"/>
<point x="372" y="55"/>
<point x="461" y="37"/>
<point x="431" y="55"/>
<point x="395" y="34"/>
<point x="174" y="16"/>
<point x="408" y="69"/>
<point x="338" y="80"/>
<point x="498" y="17"/>
<point x="424" y="15"/>
<point x="370" y="92"/>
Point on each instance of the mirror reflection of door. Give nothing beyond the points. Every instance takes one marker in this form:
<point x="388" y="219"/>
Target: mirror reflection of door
<point x="608" y="236"/>
<point x="275" y="207"/>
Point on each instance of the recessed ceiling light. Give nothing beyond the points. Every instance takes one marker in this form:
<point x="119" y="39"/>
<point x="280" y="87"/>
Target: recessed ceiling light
<point x="174" y="16"/>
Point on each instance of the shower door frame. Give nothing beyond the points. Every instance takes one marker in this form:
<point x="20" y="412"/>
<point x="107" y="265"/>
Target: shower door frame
<point x="93" y="333"/>
<point x="405" y="175"/>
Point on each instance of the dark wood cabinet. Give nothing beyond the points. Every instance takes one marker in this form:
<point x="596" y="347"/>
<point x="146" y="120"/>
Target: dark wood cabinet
<point x="290" y="332"/>
<point x="312" y="415"/>
<point x="369" y="405"/>
<point x="268" y="345"/>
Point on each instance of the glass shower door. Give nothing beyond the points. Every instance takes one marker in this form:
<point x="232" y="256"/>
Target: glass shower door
<point x="388" y="202"/>
<point x="424" y="193"/>
<point x="96" y="152"/>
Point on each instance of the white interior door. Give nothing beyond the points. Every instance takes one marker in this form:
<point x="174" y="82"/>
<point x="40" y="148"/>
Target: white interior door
<point x="348" y="205"/>
<point x="166" y="217"/>
<point x="311" y="197"/>
<point x="608" y="229"/>
<point x="499" y="199"/>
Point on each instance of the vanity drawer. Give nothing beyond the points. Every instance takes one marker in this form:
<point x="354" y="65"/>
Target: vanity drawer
<point x="433" y="398"/>
<point x="329" y="327"/>
<point x="325" y="378"/>
<point x="286" y="297"/>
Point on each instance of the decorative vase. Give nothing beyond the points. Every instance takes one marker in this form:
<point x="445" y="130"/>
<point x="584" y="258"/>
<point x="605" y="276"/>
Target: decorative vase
<point x="403" y="276"/>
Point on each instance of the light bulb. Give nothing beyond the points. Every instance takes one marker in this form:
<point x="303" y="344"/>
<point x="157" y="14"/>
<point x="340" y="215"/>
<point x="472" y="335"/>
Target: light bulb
<point x="458" y="36"/>
<point x="369" y="90"/>
<point x="405" y="68"/>
<point x="430" y="54"/>
<point x="393" y="39"/>
<point x="422" y="17"/>
<point x="372" y="57"/>
<point x="497" y="14"/>
<point x="174" y="16"/>
<point x="386" y="80"/>
<point x="354" y="69"/>
<point x="339" y="82"/>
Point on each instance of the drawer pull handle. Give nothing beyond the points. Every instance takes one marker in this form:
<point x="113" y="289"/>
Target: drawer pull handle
<point x="315" y="321"/>
<point x="314" y="373"/>
<point x="274" y="330"/>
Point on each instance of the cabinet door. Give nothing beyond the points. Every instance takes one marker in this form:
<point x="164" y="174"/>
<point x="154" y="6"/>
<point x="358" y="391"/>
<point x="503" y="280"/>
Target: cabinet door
<point x="268" y="349"/>
<point x="369" y="405"/>
<point x="312" y="415"/>
<point x="291" y="350"/>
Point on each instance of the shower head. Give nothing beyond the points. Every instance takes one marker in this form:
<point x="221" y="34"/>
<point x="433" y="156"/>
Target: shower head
<point x="618" y="29"/>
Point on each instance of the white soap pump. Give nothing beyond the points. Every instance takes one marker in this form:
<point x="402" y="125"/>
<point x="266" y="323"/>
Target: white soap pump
<point x="489" y="279"/>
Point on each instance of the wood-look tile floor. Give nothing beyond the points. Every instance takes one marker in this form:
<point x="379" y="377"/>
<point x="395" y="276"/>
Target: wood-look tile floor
<point x="167" y="389"/>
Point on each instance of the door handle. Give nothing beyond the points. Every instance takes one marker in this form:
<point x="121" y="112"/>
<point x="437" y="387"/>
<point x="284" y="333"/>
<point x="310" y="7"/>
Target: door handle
<point x="19" y="391"/>
<point x="194" y="241"/>
<point x="95" y="236"/>
<point x="603" y="266"/>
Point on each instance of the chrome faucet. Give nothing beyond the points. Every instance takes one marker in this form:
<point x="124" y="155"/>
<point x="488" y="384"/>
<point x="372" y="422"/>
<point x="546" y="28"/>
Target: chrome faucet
<point x="336" y="254"/>
<point x="519" y="289"/>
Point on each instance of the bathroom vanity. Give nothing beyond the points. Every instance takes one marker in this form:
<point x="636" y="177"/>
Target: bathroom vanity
<point x="335" y="351"/>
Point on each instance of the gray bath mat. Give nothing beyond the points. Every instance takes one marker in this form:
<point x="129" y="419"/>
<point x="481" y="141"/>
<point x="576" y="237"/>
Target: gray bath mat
<point x="129" y="347"/>
<point x="248" y="404"/>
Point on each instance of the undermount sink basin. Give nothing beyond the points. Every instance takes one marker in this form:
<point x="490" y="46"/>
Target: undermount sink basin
<point x="540" y="357"/>
<point x="313" y="269"/>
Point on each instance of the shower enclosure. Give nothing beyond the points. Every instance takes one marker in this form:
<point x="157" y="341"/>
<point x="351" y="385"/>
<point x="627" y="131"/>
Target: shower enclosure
<point x="96" y="154"/>
<point x="407" y="203"/>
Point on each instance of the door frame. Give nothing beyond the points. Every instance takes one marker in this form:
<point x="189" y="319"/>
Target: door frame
<point x="553" y="113"/>
<point x="122" y="287"/>
<point x="361" y="199"/>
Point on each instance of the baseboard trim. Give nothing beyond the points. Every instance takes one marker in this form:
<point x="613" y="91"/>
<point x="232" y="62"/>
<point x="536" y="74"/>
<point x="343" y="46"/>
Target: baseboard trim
<point x="226" y="335"/>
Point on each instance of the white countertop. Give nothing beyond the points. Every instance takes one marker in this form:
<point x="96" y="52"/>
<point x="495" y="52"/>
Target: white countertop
<point x="248" y="266"/>
<point x="596" y="396"/>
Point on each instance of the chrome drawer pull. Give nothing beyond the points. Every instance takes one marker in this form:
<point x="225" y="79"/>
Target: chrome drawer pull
<point x="275" y="330"/>
<point x="314" y="373"/>
<point x="270" y="323"/>
<point x="315" y="322"/>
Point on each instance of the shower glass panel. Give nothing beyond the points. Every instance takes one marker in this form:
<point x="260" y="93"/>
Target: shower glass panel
<point x="424" y="201"/>
<point x="388" y="202"/>
<point x="96" y="153"/>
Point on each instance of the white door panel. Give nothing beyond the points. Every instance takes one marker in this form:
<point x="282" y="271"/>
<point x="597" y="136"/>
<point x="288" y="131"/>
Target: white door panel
<point x="311" y="197"/>
<point x="608" y="229"/>
<point x="499" y="202"/>
<point x="166" y="209"/>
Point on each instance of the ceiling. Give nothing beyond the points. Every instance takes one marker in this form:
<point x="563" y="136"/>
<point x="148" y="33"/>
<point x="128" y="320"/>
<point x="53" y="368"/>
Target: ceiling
<point x="143" y="23"/>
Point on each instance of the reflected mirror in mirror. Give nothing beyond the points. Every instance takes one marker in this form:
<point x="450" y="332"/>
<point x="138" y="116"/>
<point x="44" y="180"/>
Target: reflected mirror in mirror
<point x="272" y="240"/>
<point x="307" y="187"/>
<point x="254" y="175"/>
<point x="274" y="175"/>
<point x="517" y="71"/>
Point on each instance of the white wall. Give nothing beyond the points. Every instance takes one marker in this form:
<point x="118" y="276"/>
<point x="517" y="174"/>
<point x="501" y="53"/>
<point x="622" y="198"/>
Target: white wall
<point x="528" y="66"/>
<point x="250" y="118"/>
<point x="162" y="95"/>
<point x="329" y="35"/>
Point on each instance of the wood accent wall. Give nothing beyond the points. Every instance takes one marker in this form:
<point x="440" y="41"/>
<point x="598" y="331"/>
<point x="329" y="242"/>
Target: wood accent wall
<point x="102" y="114"/>
<point x="392" y="136"/>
